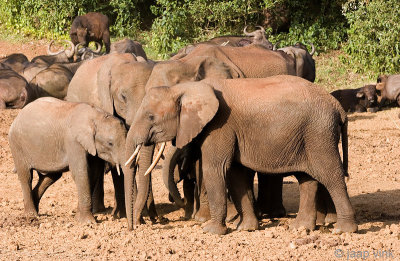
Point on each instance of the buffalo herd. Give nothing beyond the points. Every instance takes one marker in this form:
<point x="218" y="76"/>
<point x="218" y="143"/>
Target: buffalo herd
<point x="93" y="90"/>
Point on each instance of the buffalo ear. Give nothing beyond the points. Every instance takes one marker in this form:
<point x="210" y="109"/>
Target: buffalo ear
<point x="198" y="105"/>
<point x="360" y="94"/>
<point x="85" y="136"/>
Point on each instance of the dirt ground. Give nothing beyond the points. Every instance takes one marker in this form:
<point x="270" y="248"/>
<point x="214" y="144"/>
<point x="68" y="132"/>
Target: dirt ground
<point x="374" y="188"/>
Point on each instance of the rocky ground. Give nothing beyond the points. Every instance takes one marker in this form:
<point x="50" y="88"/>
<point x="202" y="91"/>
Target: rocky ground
<point x="374" y="188"/>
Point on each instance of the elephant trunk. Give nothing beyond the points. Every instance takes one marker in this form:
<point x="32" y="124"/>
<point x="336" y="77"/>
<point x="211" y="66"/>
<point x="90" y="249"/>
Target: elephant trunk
<point x="169" y="178"/>
<point x="135" y="203"/>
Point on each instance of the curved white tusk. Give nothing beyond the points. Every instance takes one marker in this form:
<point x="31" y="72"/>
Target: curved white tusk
<point x="137" y="160"/>
<point x="119" y="173"/>
<point x="129" y="161"/>
<point x="156" y="159"/>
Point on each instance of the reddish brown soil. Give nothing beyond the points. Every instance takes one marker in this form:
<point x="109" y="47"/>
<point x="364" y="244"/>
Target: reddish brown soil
<point x="374" y="188"/>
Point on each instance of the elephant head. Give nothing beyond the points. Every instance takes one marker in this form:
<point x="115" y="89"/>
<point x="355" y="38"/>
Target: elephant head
<point x="194" y="69"/>
<point x="176" y="113"/>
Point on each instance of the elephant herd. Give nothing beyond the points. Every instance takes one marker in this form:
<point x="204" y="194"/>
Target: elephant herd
<point x="231" y="107"/>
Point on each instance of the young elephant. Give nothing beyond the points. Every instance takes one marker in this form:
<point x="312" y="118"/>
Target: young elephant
<point x="53" y="136"/>
<point x="255" y="124"/>
<point x="358" y="100"/>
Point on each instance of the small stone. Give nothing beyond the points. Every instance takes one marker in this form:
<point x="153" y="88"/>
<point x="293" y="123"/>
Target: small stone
<point x="292" y="245"/>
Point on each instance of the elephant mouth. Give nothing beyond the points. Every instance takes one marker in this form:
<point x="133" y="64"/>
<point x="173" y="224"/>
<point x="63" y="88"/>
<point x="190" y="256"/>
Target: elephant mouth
<point x="136" y="155"/>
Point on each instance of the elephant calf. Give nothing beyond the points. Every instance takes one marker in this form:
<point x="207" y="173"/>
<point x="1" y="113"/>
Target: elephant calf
<point x="358" y="100"/>
<point x="54" y="136"/>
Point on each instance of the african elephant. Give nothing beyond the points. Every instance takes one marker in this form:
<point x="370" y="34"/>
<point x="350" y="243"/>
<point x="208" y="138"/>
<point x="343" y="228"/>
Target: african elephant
<point x="53" y="136"/>
<point x="358" y="100"/>
<point x="92" y="26"/>
<point x="14" y="89"/>
<point x="255" y="124"/>
<point x="116" y="83"/>
<point x="388" y="88"/>
<point x="305" y="64"/>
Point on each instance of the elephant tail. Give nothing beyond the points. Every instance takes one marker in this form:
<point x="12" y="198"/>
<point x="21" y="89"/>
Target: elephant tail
<point x="345" y="146"/>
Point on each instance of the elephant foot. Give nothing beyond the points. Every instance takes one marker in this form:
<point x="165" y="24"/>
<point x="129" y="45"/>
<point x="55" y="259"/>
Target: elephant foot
<point x="203" y="214"/>
<point x="308" y="223"/>
<point x="249" y="224"/>
<point x="330" y="218"/>
<point x="232" y="213"/>
<point x="31" y="212"/>
<point x="215" y="227"/>
<point x="84" y="218"/>
<point x="320" y="218"/>
<point x="98" y="207"/>
<point x="277" y="212"/>
<point x="345" y="226"/>
<point x="118" y="212"/>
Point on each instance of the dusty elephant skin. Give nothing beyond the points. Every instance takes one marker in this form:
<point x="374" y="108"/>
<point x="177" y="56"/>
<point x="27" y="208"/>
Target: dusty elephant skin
<point x="52" y="137"/>
<point x="220" y="117"/>
<point x="389" y="89"/>
<point x="116" y="83"/>
<point x="14" y="89"/>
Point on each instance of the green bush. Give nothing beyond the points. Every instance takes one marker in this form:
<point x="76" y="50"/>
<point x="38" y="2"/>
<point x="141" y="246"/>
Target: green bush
<point x="180" y="22"/>
<point x="374" y="34"/>
<point x="49" y="18"/>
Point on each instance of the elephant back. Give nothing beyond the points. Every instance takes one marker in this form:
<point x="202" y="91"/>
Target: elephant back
<point x="393" y="87"/>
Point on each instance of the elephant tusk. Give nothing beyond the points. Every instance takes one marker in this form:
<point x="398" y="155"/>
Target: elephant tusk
<point x="156" y="159"/>
<point x="137" y="159"/>
<point x="119" y="173"/>
<point x="129" y="161"/>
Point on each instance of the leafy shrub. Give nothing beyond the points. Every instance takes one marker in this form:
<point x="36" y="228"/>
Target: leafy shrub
<point x="374" y="35"/>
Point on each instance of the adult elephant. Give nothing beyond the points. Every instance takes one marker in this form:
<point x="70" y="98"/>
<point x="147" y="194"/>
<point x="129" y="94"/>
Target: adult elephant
<point x="116" y="83"/>
<point x="217" y="113"/>
<point x="207" y="61"/>
<point x="128" y="46"/>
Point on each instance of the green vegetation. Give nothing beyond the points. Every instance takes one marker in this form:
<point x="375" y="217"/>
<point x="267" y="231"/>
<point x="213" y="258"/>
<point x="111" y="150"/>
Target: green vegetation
<point x="368" y="31"/>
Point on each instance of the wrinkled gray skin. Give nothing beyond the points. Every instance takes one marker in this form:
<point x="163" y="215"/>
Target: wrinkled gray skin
<point x="305" y="64"/>
<point x="358" y="100"/>
<point x="128" y="46"/>
<point x="14" y="89"/>
<point x="116" y="83"/>
<point x="53" y="136"/>
<point x="388" y="87"/>
<point x="217" y="112"/>
<point x="53" y="81"/>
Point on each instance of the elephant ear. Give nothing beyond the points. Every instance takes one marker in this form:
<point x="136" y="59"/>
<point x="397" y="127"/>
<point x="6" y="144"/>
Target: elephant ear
<point x="85" y="133"/>
<point x="360" y="94"/>
<point x="198" y="105"/>
<point x="207" y="67"/>
<point x="104" y="86"/>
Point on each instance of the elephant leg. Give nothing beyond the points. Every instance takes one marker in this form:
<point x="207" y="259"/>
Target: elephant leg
<point x="326" y="212"/>
<point x="78" y="166"/>
<point x="307" y="214"/>
<point x="96" y="176"/>
<point x="203" y="212"/>
<point x="44" y="182"/>
<point x="327" y="168"/>
<point x="188" y="191"/>
<point x="240" y="182"/>
<point x="119" y="195"/>
<point x="269" y="199"/>
<point x="3" y="104"/>
<point x="25" y="179"/>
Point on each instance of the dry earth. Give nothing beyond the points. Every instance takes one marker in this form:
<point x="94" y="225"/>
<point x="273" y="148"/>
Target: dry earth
<point x="374" y="188"/>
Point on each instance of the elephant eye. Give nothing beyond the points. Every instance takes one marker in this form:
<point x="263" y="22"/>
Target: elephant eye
<point x="110" y="143"/>
<point x="151" y="117"/>
<point x="122" y="97"/>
